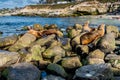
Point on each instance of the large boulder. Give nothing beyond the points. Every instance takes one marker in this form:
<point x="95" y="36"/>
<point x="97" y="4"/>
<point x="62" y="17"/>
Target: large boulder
<point x="7" y="41"/>
<point x="23" y="71"/>
<point x="107" y="43"/>
<point x="57" y="69"/>
<point x="23" y="42"/>
<point x="73" y="32"/>
<point x="114" y="60"/>
<point x="53" y="77"/>
<point x="114" y="29"/>
<point x="96" y="54"/>
<point x="43" y="41"/>
<point x="55" y="52"/>
<point x="71" y="62"/>
<point x="77" y="26"/>
<point x="8" y="58"/>
<point x="94" y="72"/>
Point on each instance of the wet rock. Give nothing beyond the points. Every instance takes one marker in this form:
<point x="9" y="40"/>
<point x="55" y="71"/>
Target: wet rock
<point x="77" y="26"/>
<point x="107" y="43"/>
<point x="96" y="54"/>
<point x="53" y="77"/>
<point x="73" y="32"/>
<point x="7" y="41"/>
<point x="23" y="71"/>
<point x="94" y="72"/>
<point x="71" y="62"/>
<point x="57" y="69"/>
<point x="52" y="26"/>
<point x="37" y="27"/>
<point x="23" y="42"/>
<point x="95" y="61"/>
<point x="8" y="58"/>
<point x="1" y="32"/>
<point x="114" y="29"/>
<point x="57" y="52"/>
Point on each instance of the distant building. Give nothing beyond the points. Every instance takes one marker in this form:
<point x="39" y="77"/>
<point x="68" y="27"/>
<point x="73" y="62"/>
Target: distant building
<point x="62" y="2"/>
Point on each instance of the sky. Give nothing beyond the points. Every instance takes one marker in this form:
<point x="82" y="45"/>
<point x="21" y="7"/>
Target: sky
<point x="16" y="3"/>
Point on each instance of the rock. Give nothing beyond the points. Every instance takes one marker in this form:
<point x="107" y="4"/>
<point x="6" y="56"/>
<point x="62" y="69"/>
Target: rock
<point x="46" y="26"/>
<point x="55" y="52"/>
<point x="1" y="32"/>
<point x="36" y="53"/>
<point x="37" y="27"/>
<point x="116" y="71"/>
<point x="96" y="54"/>
<point x="77" y="26"/>
<point x="114" y="60"/>
<point x="57" y="69"/>
<point x="8" y="58"/>
<point x="75" y="41"/>
<point x="82" y="49"/>
<point x="95" y="61"/>
<point x="69" y="28"/>
<point x="23" y="71"/>
<point x="114" y="29"/>
<point x="24" y="28"/>
<point x="43" y="41"/>
<point x="23" y="42"/>
<point x="53" y="77"/>
<point x="107" y="43"/>
<point x="7" y="41"/>
<point x="73" y="32"/>
<point x="94" y="72"/>
<point x="65" y="43"/>
<point x="52" y="26"/>
<point x="71" y="62"/>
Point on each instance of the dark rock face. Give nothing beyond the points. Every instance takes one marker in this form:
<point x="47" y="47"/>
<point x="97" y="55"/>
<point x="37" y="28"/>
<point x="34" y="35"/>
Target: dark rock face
<point x="107" y="43"/>
<point x="57" y="69"/>
<point x="94" y="72"/>
<point x="23" y="71"/>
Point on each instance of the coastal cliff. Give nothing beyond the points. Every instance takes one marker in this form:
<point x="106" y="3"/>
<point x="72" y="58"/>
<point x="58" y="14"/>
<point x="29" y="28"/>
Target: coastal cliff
<point x="62" y="10"/>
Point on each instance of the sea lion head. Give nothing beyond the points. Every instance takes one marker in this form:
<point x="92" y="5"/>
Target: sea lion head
<point x="101" y="27"/>
<point x="101" y="30"/>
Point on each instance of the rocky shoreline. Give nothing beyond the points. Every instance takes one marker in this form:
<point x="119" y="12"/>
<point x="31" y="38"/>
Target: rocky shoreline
<point x="45" y="53"/>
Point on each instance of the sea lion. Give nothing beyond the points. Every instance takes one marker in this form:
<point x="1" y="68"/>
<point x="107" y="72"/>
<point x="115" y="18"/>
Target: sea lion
<point x="45" y="32"/>
<point x="93" y="35"/>
<point x="86" y="27"/>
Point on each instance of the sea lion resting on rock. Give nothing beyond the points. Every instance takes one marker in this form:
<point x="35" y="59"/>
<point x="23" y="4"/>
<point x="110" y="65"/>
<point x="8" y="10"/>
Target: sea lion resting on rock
<point x="45" y="32"/>
<point x="86" y="27"/>
<point x="93" y="35"/>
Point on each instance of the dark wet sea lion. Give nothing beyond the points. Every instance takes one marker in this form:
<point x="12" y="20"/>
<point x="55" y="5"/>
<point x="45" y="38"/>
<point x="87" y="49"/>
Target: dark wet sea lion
<point x="93" y="35"/>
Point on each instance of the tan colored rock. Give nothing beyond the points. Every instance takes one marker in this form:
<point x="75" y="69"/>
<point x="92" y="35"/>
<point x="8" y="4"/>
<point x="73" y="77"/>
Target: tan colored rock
<point x="95" y="61"/>
<point x="97" y="54"/>
<point x="71" y="62"/>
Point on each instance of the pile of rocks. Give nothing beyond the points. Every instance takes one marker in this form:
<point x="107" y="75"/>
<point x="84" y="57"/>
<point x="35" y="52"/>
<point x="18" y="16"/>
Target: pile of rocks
<point x="49" y="57"/>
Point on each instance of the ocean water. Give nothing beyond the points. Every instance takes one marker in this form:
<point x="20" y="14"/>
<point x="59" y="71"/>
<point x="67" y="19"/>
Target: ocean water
<point x="10" y="25"/>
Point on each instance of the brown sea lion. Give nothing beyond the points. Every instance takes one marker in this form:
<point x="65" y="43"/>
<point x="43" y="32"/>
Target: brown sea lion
<point x="93" y="35"/>
<point x="45" y="32"/>
<point x="86" y="27"/>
